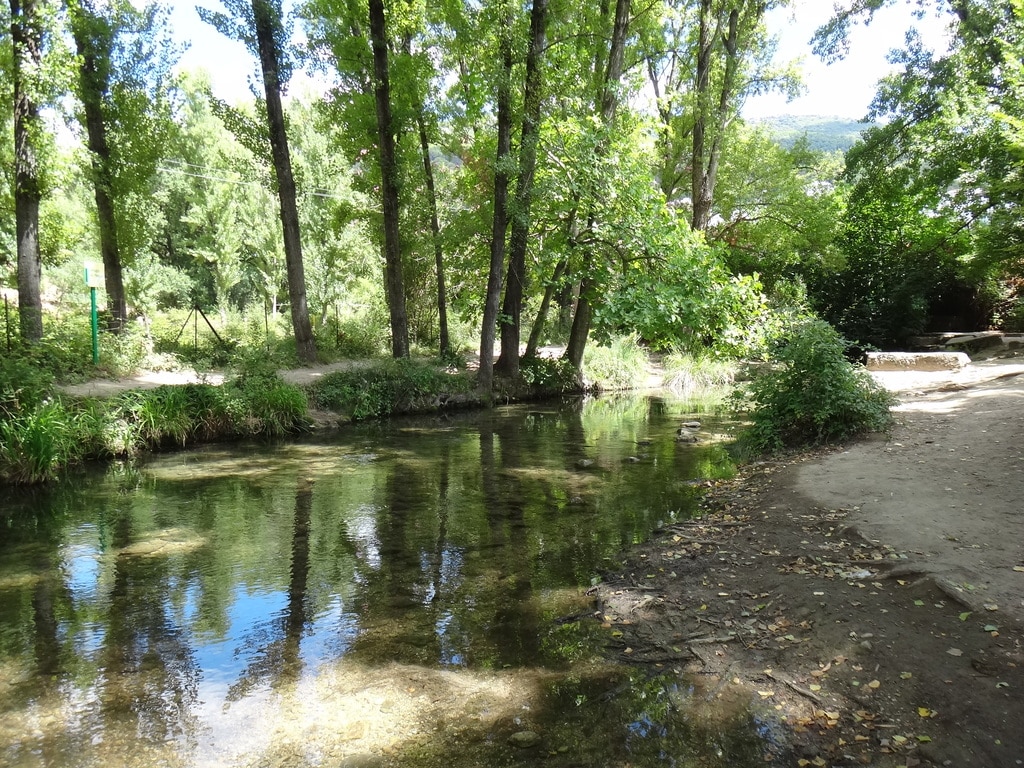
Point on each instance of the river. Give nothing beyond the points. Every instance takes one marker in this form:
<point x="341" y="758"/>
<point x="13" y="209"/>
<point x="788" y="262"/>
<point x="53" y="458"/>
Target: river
<point x="405" y="593"/>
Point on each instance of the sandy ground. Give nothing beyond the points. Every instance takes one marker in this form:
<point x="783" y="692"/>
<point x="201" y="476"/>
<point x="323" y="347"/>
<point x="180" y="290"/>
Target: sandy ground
<point x="869" y="598"/>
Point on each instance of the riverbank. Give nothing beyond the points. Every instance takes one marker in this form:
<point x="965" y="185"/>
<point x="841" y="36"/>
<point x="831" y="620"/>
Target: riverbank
<point x="869" y="597"/>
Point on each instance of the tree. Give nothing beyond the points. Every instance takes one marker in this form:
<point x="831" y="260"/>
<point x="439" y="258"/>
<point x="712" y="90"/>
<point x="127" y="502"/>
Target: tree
<point x="607" y="103"/>
<point x="732" y="33"/>
<point x="27" y="38"/>
<point x="124" y="64"/>
<point x="933" y="217"/>
<point x="499" y="223"/>
<point x="259" y="25"/>
<point x="393" y="284"/>
<point x="512" y="305"/>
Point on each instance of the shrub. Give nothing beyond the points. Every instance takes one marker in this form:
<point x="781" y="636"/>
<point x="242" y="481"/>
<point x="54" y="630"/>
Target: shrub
<point x="37" y="443"/>
<point x="549" y="374"/>
<point x="811" y="394"/>
<point x="395" y="385"/>
<point x="621" y="364"/>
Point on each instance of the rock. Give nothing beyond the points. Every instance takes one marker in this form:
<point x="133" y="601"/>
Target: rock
<point x="686" y="437"/>
<point x="690" y="425"/>
<point x="975" y="342"/>
<point x="524" y="739"/>
<point x="632" y="460"/>
<point x="584" y="463"/>
<point x="361" y="761"/>
<point x="916" y="361"/>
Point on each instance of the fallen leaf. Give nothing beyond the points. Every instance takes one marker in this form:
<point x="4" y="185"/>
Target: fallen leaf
<point x="1002" y="685"/>
<point x="924" y="739"/>
<point x="874" y="684"/>
<point x="991" y="607"/>
<point x="955" y="652"/>
<point x="906" y="675"/>
<point x="814" y="687"/>
<point x="925" y="712"/>
<point x="897" y="739"/>
<point x="965" y="615"/>
<point x="1019" y="568"/>
<point x="919" y="602"/>
<point x="991" y="628"/>
<point x="766" y="694"/>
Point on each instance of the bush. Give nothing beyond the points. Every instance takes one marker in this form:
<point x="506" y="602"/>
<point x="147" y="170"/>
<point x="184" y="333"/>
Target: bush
<point x="622" y="364"/>
<point x="393" y="386"/>
<point x="811" y="394"/>
<point x="37" y="443"/>
<point x="550" y="374"/>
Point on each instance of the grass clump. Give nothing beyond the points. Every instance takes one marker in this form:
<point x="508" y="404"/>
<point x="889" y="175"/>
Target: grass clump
<point x="621" y="364"/>
<point x="42" y="433"/>
<point x="390" y="387"/>
<point x="698" y="377"/>
<point x="811" y="394"/>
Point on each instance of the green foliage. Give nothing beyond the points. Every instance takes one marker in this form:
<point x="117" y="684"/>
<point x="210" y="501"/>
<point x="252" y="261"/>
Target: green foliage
<point x="37" y="442"/>
<point x="698" y="377"/>
<point x="811" y="394"/>
<point x="549" y="374"/>
<point x="622" y="364"/>
<point x="390" y="387"/>
<point x="24" y="385"/>
<point x="40" y="434"/>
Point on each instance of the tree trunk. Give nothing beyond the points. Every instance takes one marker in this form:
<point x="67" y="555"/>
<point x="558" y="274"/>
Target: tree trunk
<point x="27" y="34"/>
<point x="444" y="344"/>
<point x="580" y="324"/>
<point x="394" y="287"/>
<point x="270" y="65"/>
<point x="27" y="37"/>
<point x="93" y="44"/>
<point x="712" y="117"/>
<point x="499" y="227"/>
<point x="512" y="307"/>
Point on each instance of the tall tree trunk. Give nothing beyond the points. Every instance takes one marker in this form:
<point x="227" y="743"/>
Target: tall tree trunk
<point x="608" y="103"/>
<point x="27" y="37"/>
<point x="512" y="307"/>
<point x="270" y="58"/>
<point x="499" y="227"/>
<point x="93" y="41"/>
<point x="394" y="287"/>
<point x="444" y="344"/>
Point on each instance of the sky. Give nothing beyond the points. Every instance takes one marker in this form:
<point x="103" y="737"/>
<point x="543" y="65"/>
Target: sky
<point x="844" y="89"/>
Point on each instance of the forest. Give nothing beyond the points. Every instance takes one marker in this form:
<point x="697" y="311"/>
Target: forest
<point x="493" y="177"/>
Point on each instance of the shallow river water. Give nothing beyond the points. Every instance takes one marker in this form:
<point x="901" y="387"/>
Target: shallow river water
<point x="410" y="593"/>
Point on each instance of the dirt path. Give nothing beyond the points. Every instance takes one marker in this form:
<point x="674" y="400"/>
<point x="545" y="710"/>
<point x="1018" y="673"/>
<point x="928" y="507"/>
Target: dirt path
<point x="872" y="598"/>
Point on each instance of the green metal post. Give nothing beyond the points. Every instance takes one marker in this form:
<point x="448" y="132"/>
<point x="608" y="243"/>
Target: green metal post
<point x="95" y="328"/>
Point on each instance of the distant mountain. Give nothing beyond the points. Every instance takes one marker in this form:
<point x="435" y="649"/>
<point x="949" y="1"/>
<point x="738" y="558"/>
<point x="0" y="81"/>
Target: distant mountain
<point x="825" y="134"/>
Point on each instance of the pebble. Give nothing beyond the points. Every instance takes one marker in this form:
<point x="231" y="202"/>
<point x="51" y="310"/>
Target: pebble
<point x="524" y="739"/>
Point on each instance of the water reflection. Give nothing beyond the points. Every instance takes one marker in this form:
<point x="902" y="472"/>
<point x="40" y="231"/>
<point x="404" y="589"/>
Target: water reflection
<point x="358" y="593"/>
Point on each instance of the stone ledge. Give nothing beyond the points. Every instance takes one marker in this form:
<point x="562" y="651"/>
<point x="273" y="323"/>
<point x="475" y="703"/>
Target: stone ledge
<point x="916" y="361"/>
